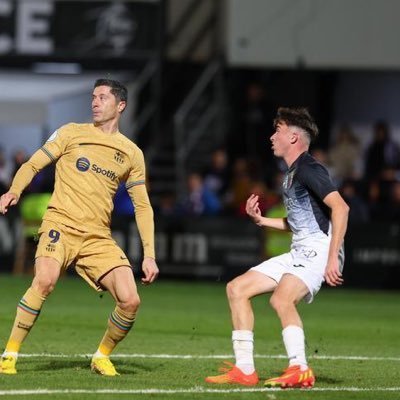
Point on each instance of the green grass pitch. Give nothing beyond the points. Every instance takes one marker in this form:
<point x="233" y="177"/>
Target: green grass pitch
<point x="182" y="334"/>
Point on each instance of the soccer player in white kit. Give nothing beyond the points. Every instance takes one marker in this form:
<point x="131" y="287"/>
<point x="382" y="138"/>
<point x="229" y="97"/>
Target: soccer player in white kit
<point x="317" y="216"/>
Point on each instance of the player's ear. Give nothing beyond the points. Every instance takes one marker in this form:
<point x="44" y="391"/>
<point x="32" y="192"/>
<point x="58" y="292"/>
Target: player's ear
<point x="121" y="106"/>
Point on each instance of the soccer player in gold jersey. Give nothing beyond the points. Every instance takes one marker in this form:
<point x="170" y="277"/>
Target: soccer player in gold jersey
<point x="91" y="161"/>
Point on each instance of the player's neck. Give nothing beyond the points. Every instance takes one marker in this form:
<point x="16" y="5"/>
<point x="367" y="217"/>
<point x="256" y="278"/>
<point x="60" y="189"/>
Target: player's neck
<point x="107" y="127"/>
<point x="293" y="155"/>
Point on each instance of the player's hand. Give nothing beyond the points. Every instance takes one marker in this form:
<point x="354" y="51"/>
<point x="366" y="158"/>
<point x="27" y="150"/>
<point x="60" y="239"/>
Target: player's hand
<point x="150" y="270"/>
<point x="6" y="200"/>
<point x="253" y="209"/>
<point x="333" y="276"/>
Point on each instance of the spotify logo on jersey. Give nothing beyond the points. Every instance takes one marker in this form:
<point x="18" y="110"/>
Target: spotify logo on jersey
<point x="83" y="164"/>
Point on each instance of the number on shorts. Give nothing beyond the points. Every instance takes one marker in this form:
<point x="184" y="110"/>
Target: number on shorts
<point x="54" y="235"/>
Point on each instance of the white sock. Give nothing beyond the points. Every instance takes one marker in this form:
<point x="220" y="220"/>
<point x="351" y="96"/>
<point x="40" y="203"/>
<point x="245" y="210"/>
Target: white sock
<point x="243" y="344"/>
<point x="293" y="338"/>
<point x="99" y="354"/>
<point x="10" y="354"/>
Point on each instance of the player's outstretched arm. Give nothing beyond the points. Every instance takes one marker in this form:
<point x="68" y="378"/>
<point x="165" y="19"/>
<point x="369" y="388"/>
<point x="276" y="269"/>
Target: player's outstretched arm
<point x="253" y="210"/>
<point x="23" y="178"/>
<point x="6" y="200"/>
<point x="150" y="270"/>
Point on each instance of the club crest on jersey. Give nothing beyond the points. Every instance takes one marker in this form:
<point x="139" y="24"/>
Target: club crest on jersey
<point x="119" y="157"/>
<point x="287" y="182"/>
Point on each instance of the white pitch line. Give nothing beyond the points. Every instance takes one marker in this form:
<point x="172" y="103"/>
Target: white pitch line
<point x="210" y="356"/>
<point x="194" y="390"/>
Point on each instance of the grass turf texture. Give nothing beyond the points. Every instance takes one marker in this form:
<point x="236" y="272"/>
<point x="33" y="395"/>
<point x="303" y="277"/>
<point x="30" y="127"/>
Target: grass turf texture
<point x="192" y="318"/>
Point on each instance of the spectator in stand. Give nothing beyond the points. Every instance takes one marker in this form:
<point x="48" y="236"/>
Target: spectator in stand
<point x="167" y="206"/>
<point x="199" y="201"/>
<point x="254" y="120"/>
<point x="374" y="199"/>
<point x="391" y="211"/>
<point x="19" y="157"/>
<point x="383" y="152"/>
<point x="345" y="155"/>
<point x="358" y="207"/>
<point x="266" y="197"/>
<point x="387" y="179"/>
<point x="217" y="175"/>
<point x="380" y="193"/>
<point x="240" y="185"/>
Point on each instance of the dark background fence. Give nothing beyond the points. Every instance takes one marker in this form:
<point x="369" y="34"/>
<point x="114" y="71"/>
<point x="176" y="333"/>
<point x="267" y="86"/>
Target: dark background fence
<point x="219" y="248"/>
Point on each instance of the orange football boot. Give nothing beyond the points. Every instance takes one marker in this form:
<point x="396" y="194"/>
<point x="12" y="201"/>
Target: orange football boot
<point x="233" y="374"/>
<point x="293" y="377"/>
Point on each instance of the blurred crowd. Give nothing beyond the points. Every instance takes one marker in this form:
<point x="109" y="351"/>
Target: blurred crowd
<point x="367" y="174"/>
<point x="368" y="178"/>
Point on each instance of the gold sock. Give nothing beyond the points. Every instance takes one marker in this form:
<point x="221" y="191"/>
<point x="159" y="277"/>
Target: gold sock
<point x="28" y="310"/>
<point x="119" y="324"/>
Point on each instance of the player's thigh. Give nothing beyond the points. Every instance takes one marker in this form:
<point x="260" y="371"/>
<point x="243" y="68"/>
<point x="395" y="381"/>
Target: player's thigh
<point x="272" y="269"/>
<point x="309" y="263"/>
<point x="56" y="249"/>
<point x="121" y="284"/>
<point x="98" y="257"/>
<point x="250" y="284"/>
<point x="291" y="289"/>
<point x="57" y="242"/>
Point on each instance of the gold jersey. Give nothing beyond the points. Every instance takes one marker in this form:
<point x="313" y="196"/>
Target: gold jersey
<point x="90" y="165"/>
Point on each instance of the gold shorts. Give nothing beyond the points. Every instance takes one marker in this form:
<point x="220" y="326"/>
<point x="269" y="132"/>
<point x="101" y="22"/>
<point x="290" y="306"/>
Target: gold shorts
<point x="94" y="254"/>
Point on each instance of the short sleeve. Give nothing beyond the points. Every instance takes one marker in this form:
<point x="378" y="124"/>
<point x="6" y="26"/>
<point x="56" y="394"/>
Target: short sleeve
<point x="315" y="177"/>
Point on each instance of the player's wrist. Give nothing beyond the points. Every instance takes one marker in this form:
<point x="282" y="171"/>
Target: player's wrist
<point x="258" y="220"/>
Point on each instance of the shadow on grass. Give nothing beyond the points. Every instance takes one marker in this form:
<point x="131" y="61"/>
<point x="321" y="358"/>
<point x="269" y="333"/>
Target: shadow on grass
<point x="329" y="381"/>
<point x="123" y="367"/>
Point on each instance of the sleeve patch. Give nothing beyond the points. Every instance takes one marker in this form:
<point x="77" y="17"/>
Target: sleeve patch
<point x="52" y="137"/>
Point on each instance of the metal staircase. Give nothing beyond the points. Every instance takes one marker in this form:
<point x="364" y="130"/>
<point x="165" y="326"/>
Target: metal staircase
<point x="193" y="94"/>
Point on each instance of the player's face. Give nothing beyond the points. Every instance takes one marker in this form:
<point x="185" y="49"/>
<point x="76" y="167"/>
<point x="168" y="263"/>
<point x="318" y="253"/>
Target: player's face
<point x="105" y="106"/>
<point x="281" y="139"/>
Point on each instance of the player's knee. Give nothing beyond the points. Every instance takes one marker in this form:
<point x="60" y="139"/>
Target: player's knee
<point x="233" y="291"/>
<point x="43" y="285"/>
<point x="131" y="304"/>
<point x="277" y="303"/>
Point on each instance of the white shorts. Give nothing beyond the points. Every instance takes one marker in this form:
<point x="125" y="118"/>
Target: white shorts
<point x="307" y="260"/>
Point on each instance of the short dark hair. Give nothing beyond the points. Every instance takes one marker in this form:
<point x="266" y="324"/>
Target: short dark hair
<point x="299" y="117"/>
<point x="117" y="88"/>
